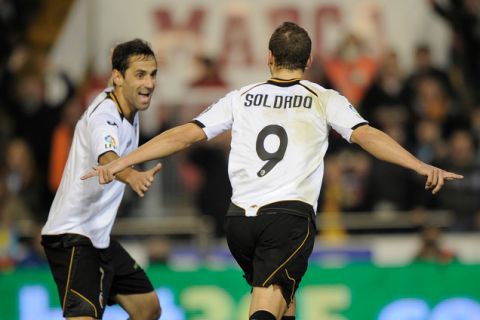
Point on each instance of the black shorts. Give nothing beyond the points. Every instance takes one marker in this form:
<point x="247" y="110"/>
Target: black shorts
<point x="273" y="247"/>
<point x="88" y="278"/>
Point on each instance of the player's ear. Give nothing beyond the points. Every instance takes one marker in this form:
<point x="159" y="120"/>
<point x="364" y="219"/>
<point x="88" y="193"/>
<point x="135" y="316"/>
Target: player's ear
<point x="117" y="77"/>
<point x="309" y="62"/>
<point x="271" y="58"/>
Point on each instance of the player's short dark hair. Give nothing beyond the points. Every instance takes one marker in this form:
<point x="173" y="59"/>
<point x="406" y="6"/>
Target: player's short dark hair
<point x="291" y="45"/>
<point x="122" y="53"/>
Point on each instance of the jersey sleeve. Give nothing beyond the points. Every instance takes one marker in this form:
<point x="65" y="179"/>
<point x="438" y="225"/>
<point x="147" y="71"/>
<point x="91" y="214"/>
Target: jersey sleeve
<point x="342" y="116"/>
<point x="218" y="117"/>
<point x="104" y="136"/>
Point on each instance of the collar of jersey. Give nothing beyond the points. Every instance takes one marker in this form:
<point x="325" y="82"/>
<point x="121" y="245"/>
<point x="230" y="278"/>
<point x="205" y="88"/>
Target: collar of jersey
<point x="112" y="96"/>
<point x="284" y="82"/>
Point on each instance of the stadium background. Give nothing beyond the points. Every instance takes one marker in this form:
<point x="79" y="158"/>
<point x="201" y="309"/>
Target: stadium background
<point x="411" y="67"/>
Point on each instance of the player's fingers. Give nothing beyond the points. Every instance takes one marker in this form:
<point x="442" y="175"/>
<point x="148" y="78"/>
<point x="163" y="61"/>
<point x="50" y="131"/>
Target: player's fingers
<point x="449" y="176"/>
<point x="90" y="174"/>
<point x="440" y="182"/>
<point x="107" y="176"/>
<point x="435" y="178"/>
<point x="428" y="183"/>
<point x="103" y="177"/>
<point x="138" y="190"/>
<point x="156" y="169"/>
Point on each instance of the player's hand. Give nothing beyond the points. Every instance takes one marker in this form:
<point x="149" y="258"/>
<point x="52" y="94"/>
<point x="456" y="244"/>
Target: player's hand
<point x="104" y="173"/>
<point x="140" y="181"/>
<point x="436" y="177"/>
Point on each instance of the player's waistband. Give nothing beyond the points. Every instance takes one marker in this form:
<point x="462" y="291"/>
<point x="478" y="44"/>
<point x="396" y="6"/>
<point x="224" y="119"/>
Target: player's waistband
<point x="294" y="207"/>
<point x="65" y="240"/>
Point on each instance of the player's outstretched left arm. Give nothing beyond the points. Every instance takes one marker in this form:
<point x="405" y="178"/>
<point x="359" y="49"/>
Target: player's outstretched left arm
<point x="383" y="147"/>
<point x="163" y="145"/>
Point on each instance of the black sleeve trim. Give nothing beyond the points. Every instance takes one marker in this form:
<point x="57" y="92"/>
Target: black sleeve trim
<point x="359" y="125"/>
<point x="198" y="123"/>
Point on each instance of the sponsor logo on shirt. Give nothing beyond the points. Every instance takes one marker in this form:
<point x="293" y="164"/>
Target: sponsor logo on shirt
<point x="112" y="123"/>
<point x="110" y="142"/>
<point x="354" y="111"/>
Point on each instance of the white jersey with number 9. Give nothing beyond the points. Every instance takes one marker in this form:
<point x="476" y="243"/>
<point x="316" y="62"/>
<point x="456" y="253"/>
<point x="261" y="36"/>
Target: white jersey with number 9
<point x="279" y="138"/>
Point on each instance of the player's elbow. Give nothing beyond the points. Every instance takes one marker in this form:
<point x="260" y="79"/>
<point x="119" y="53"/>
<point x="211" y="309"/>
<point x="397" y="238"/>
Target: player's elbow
<point x="363" y="135"/>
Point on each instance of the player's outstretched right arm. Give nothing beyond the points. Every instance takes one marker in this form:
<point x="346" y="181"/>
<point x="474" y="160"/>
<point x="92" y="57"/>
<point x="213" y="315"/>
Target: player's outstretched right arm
<point x="163" y="145"/>
<point x="385" y="148"/>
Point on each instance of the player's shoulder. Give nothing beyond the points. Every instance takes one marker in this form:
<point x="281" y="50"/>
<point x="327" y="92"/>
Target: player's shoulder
<point x="103" y="104"/>
<point x="249" y="87"/>
<point x="324" y="94"/>
<point x="316" y="88"/>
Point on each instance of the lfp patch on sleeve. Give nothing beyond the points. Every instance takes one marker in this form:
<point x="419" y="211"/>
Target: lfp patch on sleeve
<point x="110" y="142"/>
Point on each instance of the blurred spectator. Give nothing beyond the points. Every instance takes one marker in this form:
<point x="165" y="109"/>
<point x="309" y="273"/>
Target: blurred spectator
<point x="462" y="197"/>
<point x="12" y="209"/>
<point x="8" y="236"/>
<point x="463" y="16"/>
<point x="390" y="187"/>
<point x="344" y="187"/>
<point x="424" y="67"/>
<point x="205" y="170"/>
<point x="23" y="179"/>
<point x="61" y="141"/>
<point x="431" y="249"/>
<point x="351" y="70"/>
<point x="430" y="101"/>
<point x="429" y="144"/>
<point x="386" y="101"/>
<point x="10" y="70"/>
<point x="212" y="197"/>
<point x="208" y="73"/>
<point x="316" y="73"/>
<point x="475" y="125"/>
<point x="158" y="249"/>
<point x="34" y="120"/>
<point x="15" y="16"/>
<point x="33" y="99"/>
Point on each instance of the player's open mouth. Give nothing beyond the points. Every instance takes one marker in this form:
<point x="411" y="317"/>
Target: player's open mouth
<point x="145" y="96"/>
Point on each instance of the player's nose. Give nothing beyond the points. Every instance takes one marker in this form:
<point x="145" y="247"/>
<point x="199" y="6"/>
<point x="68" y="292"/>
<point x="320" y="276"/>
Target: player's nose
<point x="150" y="82"/>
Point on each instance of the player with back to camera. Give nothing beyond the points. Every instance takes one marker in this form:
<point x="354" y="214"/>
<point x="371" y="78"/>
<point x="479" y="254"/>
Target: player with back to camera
<point x="90" y="269"/>
<point x="279" y="138"/>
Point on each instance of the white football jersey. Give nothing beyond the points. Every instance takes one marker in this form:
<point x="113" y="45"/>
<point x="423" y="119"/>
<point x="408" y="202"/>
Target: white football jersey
<point x="84" y="206"/>
<point x="279" y="139"/>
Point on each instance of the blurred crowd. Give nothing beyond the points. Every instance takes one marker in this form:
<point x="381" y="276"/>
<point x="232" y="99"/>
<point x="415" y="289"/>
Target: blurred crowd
<point x="432" y="110"/>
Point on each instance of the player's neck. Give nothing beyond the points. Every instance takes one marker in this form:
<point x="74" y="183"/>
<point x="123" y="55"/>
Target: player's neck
<point x="125" y="109"/>
<point x="287" y="74"/>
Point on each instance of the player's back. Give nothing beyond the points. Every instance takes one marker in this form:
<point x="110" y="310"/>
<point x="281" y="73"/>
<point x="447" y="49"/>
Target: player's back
<point x="279" y="138"/>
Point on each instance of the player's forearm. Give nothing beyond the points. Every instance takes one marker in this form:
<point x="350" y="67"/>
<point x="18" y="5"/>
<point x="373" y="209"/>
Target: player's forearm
<point x="123" y="175"/>
<point x="163" y="145"/>
<point x="383" y="147"/>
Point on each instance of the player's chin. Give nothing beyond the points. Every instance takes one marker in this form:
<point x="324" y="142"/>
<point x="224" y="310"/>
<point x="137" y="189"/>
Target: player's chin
<point x="143" y="105"/>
